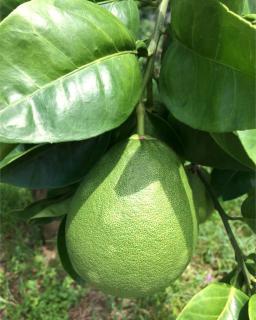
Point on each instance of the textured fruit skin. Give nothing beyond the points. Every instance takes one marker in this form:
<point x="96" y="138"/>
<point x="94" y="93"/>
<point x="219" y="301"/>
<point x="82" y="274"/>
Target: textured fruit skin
<point x="202" y="201"/>
<point x="132" y="226"/>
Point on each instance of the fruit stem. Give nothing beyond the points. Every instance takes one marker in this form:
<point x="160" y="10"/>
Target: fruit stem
<point x="140" y="120"/>
<point x="239" y="256"/>
<point x="152" y="50"/>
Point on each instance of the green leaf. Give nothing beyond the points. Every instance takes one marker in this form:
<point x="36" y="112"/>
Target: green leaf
<point x="252" y="307"/>
<point x="251" y="18"/>
<point x="52" y="165"/>
<point x="240" y="6"/>
<point x="158" y="127"/>
<point x="65" y="87"/>
<point x="216" y="302"/>
<point x="63" y="254"/>
<point x="248" y="140"/>
<point x="248" y="210"/>
<point x="200" y="148"/>
<point x="54" y="210"/>
<point x="249" y="7"/>
<point x="202" y="82"/>
<point x="5" y="149"/>
<point x="18" y="152"/>
<point x="126" y="11"/>
<point x="230" y="142"/>
<point x="230" y="184"/>
<point x="50" y="207"/>
<point x="7" y="6"/>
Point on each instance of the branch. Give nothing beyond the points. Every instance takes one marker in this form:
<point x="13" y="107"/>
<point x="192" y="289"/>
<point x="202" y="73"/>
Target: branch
<point x="239" y="256"/>
<point x="152" y="50"/>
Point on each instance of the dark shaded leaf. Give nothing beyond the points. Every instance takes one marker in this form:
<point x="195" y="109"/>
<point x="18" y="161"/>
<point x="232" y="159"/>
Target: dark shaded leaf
<point x="65" y="87"/>
<point x="230" y="184"/>
<point x="52" y="165"/>
<point x="63" y="254"/>
<point x="248" y="210"/>
<point x="200" y="148"/>
<point x="157" y="127"/>
<point x="231" y="144"/>
<point x="217" y="301"/>
<point x="7" y="6"/>
<point x="5" y="149"/>
<point x="202" y="82"/>
<point x="18" y="152"/>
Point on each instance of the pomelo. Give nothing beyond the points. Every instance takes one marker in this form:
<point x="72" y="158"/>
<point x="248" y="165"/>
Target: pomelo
<point x="203" y="204"/>
<point x="132" y="227"/>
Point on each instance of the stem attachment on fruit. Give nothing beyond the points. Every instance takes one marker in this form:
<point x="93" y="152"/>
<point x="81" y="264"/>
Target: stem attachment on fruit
<point x="239" y="256"/>
<point x="152" y="50"/>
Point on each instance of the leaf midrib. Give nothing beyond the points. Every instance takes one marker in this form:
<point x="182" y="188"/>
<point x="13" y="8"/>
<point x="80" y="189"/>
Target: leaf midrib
<point x="116" y="54"/>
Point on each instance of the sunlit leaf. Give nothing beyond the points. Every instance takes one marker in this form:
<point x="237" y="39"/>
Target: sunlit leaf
<point x="216" y="302"/>
<point x="252" y="307"/>
<point x="125" y="10"/>
<point x="71" y="83"/>
<point x="248" y="140"/>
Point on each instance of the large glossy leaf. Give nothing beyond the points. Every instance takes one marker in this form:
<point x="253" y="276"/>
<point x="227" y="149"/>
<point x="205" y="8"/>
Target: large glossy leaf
<point x="71" y="83"/>
<point x="200" y="148"/>
<point x="252" y="307"/>
<point x="202" y="82"/>
<point x="52" y="165"/>
<point x="230" y="184"/>
<point x="231" y="143"/>
<point x="216" y="302"/>
<point x="248" y="210"/>
<point x="125" y="10"/>
<point x="63" y="253"/>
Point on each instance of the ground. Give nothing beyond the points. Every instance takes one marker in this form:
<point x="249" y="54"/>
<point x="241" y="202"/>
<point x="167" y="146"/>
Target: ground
<point x="33" y="285"/>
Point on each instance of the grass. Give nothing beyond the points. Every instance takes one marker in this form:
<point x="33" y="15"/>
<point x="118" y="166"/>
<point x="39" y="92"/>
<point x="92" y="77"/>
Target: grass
<point x="33" y="285"/>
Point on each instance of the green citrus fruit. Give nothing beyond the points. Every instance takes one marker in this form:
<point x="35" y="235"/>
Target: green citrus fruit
<point x="202" y="201"/>
<point x="132" y="226"/>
